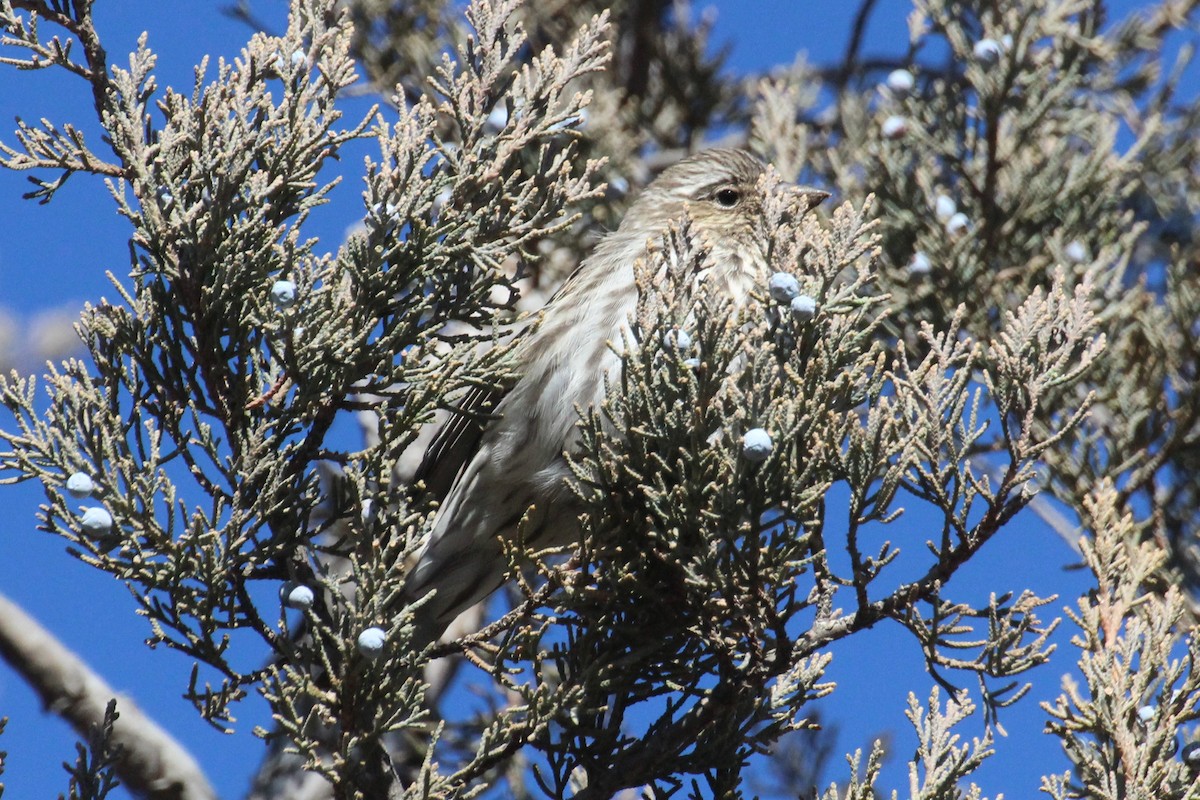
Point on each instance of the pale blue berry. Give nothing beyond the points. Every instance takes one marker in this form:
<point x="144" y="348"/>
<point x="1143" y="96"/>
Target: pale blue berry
<point x="496" y="120"/>
<point x="783" y="287"/>
<point x="96" y="520"/>
<point x="894" y="127"/>
<point x="1076" y="251"/>
<point x="80" y="485"/>
<point x="900" y="81"/>
<point x="287" y="63"/>
<point x="573" y="122"/>
<point x="988" y="51"/>
<point x="1146" y="713"/>
<point x="804" y="307"/>
<point x="371" y="642"/>
<point x="283" y="293"/>
<point x="297" y="595"/>
<point x="757" y="445"/>
<point x="1191" y="755"/>
<point x="677" y="340"/>
<point x="945" y="207"/>
<point x="958" y="224"/>
<point x="692" y="363"/>
<point x="919" y="264"/>
<point x="439" y="202"/>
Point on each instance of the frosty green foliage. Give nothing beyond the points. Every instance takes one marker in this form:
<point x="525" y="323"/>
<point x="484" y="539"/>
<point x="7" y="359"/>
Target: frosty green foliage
<point x="1048" y="351"/>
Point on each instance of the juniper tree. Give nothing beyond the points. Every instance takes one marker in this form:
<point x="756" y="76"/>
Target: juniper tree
<point x="998" y="310"/>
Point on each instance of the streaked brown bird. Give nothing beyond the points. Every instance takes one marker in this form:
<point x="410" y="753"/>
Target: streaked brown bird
<point x="493" y="476"/>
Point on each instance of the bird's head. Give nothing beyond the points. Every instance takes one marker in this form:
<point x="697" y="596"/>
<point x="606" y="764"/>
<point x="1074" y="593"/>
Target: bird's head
<point x="720" y="190"/>
<point x="722" y="193"/>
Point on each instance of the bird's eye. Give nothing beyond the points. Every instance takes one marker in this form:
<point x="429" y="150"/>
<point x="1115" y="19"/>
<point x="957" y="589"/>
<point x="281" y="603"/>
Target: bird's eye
<point x="728" y="198"/>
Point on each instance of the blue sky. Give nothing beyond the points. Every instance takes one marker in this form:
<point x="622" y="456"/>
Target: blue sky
<point x="57" y="255"/>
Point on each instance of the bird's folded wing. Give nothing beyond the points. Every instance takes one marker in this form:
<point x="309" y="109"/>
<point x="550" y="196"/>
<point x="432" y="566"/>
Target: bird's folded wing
<point x="454" y="445"/>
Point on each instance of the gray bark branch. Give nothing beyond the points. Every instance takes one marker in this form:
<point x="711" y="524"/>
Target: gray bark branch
<point x="150" y="762"/>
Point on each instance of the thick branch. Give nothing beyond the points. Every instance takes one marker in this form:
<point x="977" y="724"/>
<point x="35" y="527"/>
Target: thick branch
<point x="150" y="762"/>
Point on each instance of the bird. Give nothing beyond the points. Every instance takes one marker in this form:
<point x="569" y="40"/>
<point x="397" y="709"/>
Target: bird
<point x="515" y="466"/>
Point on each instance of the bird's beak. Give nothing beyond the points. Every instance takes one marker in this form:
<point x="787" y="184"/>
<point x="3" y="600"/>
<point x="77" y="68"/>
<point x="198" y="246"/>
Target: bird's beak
<point x="809" y="197"/>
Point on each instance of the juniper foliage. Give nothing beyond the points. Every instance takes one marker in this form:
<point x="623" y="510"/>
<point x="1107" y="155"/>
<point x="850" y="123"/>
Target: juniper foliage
<point x="1004" y="302"/>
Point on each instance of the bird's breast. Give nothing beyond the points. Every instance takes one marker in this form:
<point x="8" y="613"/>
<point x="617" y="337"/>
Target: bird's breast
<point x="564" y="371"/>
